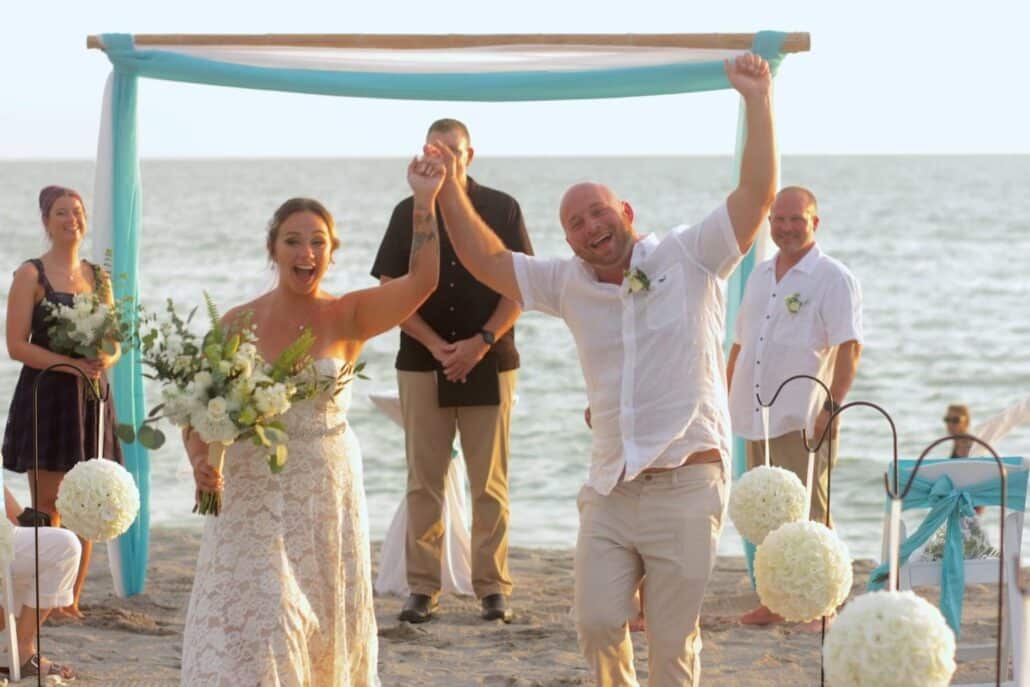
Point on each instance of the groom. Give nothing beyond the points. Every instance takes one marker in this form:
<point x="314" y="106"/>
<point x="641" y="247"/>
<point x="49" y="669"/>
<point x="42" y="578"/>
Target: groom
<point x="647" y="317"/>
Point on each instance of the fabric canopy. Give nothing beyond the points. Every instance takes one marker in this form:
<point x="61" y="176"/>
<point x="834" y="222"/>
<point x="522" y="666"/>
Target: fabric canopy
<point x="496" y="73"/>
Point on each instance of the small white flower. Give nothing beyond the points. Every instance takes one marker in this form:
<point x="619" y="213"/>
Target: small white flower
<point x="216" y="408"/>
<point x="271" y="400"/>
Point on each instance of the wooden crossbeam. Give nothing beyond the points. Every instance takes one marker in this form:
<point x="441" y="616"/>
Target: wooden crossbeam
<point x="794" y="42"/>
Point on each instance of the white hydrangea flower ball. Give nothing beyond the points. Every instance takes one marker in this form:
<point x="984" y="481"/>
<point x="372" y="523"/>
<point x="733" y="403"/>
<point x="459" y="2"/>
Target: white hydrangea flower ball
<point x="98" y="500"/>
<point x="803" y="571"/>
<point x="890" y="639"/>
<point x="764" y="498"/>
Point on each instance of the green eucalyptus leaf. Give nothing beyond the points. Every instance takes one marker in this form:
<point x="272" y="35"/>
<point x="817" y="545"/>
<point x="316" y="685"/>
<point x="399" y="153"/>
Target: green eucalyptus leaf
<point x="151" y="437"/>
<point x="125" y="433"/>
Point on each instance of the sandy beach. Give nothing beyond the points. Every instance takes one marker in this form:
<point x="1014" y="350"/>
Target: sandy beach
<point x="137" y="642"/>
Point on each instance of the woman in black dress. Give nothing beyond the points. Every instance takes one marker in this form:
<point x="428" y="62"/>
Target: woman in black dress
<point x="67" y="414"/>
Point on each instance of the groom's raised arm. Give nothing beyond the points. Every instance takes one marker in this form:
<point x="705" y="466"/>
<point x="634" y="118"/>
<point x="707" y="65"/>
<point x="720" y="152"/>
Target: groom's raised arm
<point x="749" y="203"/>
<point x="478" y="247"/>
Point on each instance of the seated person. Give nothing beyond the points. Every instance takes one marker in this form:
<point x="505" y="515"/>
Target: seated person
<point x="974" y="539"/>
<point x="59" y="552"/>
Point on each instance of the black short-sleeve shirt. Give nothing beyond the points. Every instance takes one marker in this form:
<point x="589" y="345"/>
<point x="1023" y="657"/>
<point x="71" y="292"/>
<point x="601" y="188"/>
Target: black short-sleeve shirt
<point x="460" y="306"/>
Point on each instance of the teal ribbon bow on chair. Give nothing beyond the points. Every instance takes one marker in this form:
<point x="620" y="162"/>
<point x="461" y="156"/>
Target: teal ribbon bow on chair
<point x="949" y="504"/>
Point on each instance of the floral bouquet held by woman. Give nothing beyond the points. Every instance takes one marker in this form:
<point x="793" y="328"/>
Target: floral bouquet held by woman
<point x="91" y="327"/>
<point x="222" y="389"/>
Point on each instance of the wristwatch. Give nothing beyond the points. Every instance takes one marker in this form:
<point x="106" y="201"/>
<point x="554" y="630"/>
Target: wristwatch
<point x="830" y="406"/>
<point x="488" y="336"/>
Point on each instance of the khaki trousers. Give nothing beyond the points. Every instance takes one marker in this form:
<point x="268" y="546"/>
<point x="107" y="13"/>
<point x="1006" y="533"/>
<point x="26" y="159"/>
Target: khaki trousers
<point x="665" y="526"/>
<point x="788" y="451"/>
<point x="428" y="439"/>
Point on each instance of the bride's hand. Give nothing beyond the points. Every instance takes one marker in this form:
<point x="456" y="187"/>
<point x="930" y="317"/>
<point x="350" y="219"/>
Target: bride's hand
<point x="425" y="176"/>
<point x="205" y="476"/>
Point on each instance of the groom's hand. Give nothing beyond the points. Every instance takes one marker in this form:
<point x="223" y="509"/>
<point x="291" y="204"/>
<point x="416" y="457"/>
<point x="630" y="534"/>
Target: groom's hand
<point x="750" y="75"/>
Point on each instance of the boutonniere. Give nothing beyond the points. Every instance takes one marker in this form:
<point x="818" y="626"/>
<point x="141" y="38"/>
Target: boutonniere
<point x="637" y="280"/>
<point x="794" y="303"/>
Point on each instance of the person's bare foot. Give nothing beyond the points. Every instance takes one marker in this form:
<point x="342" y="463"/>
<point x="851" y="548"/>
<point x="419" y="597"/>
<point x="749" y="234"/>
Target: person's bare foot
<point x="760" y="616"/>
<point x="68" y="613"/>
<point x="638" y="624"/>
<point x="814" y="626"/>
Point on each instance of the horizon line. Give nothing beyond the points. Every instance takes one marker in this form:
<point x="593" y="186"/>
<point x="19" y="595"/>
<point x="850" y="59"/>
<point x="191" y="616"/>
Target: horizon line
<point x="169" y="158"/>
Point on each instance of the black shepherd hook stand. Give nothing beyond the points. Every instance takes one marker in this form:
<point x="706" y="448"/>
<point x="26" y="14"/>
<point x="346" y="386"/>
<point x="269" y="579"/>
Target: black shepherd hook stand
<point x="827" y="436"/>
<point x="829" y="473"/>
<point x="99" y="396"/>
<point x="804" y="437"/>
<point x="1003" y="473"/>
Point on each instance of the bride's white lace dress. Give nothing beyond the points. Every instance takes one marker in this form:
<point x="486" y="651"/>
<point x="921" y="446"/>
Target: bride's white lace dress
<point x="283" y="592"/>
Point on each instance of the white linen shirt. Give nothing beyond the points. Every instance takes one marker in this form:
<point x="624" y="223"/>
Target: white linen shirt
<point x="652" y="360"/>
<point x="776" y="344"/>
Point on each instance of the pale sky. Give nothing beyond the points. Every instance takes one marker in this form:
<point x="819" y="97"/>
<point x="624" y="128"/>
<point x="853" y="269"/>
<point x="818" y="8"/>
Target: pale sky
<point x="895" y="77"/>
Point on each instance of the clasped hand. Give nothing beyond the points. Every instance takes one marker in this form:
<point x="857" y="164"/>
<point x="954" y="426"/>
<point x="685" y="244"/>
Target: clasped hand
<point x="460" y="357"/>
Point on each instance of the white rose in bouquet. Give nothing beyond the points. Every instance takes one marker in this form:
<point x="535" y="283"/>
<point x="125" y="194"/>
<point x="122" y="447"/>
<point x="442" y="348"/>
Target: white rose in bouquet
<point x="889" y="639"/>
<point x="764" y="498"/>
<point x="802" y="571"/>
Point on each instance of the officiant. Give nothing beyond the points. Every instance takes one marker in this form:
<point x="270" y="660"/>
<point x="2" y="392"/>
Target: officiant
<point x="456" y="371"/>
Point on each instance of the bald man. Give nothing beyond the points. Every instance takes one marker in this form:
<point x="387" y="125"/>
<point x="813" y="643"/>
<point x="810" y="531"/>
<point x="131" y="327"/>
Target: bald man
<point x="647" y="316"/>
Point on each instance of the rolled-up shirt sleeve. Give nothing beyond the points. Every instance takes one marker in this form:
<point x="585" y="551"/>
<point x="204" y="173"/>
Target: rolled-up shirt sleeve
<point x="540" y="282"/>
<point x="711" y="243"/>
<point x="842" y="310"/>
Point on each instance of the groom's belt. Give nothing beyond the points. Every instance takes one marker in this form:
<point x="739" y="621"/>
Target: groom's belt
<point x="711" y="455"/>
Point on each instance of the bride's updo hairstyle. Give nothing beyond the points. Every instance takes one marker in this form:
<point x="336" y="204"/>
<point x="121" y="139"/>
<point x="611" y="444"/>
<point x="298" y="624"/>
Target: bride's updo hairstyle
<point x="293" y="206"/>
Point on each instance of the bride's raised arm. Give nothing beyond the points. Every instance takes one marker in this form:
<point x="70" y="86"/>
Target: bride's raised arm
<point x="368" y="312"/>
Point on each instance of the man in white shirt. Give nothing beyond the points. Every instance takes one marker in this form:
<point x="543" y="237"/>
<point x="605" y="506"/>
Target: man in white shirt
<point x="801" y="314"/>
<point x="647" y="317"/>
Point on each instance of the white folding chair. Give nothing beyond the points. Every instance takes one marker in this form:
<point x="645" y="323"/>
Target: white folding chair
<point x="10" y="628"/>
<point x="919" y="573"/>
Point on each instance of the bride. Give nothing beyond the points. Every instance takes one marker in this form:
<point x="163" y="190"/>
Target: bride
<point x="283" y="592"/>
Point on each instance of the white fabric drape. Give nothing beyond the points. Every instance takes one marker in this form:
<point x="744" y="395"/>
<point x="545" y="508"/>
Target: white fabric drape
<point x="456" y="561"/>
<point x="476" y="60"/>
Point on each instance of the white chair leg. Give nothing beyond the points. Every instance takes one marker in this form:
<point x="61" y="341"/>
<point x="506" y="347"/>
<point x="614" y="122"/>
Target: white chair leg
<point x="12" y="628"/>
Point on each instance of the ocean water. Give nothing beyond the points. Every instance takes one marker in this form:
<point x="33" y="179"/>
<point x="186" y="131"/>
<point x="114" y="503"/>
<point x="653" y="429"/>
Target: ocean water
<point x="939" y="244"/>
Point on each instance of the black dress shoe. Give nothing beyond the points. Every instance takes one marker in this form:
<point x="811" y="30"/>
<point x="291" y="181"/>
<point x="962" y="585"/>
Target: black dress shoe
<point x="495" y="607"/>
<point x="418" y="608"/>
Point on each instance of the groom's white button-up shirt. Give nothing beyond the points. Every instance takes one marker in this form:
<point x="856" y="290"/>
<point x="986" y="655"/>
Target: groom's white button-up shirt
<point x="652" y="360"/>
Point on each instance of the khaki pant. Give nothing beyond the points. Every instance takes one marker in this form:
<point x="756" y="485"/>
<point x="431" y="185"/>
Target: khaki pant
<point x="788" y="451"/>
<point x="428" y="439"/>
<point x="665" y="526"/>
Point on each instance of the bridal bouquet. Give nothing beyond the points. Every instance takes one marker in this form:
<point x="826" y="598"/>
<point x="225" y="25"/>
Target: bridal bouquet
<point x="220" y="387"/>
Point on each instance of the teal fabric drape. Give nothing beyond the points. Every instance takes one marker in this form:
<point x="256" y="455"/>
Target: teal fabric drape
<point x="685" y="77"/>
<point x="131" y="63"/>
<point x="128" y="375"/>
<point x="947" y="505"/>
